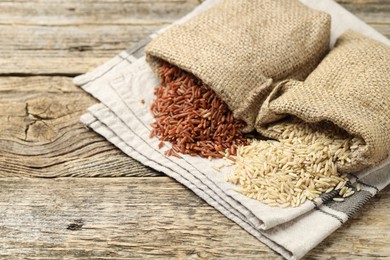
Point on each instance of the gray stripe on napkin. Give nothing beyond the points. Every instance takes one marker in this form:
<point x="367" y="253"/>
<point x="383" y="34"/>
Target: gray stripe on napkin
<point x="137" y="50"/>
<point x="377" y="178"/>
<point x="329" y="196"/>
<point x="351" y="204"/>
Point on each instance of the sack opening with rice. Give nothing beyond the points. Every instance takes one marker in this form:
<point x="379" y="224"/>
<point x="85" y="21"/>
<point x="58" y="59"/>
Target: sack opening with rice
<point x="261" y="65"/>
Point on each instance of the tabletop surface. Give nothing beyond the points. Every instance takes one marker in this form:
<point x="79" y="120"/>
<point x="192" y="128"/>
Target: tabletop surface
<point x="66" y="192"/>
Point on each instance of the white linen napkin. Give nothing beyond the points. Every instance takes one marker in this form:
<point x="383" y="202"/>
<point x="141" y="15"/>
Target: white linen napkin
<point x="121" y="84"/>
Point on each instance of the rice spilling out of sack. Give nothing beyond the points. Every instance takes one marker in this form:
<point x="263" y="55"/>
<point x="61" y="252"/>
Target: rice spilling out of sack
<point x="299" y="167"/>
<point x="192" y="117"/>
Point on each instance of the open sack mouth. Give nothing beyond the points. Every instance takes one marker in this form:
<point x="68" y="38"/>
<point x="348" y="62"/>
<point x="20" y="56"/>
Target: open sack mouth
<point x="242" y="49"/>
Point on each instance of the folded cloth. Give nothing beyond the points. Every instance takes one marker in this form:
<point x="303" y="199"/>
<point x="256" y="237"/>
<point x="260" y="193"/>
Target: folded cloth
<point x="121" y="83"/>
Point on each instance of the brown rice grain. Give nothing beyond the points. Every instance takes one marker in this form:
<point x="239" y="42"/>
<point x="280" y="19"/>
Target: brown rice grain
<point x="302" y="164"/>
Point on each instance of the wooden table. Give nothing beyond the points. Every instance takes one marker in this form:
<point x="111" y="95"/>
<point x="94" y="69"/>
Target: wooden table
<point x="66" y="192"/>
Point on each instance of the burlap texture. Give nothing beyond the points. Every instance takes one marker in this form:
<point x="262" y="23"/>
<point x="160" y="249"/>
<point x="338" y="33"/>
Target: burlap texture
<point x="242" y="48"/>
<point x="350" y="88"/>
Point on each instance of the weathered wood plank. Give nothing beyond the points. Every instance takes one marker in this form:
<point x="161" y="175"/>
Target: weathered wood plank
<point x="93" y="12"/>
<point x="72" y="37"/>
<point x="357" y="2"/>
<point x="55" y="50"/>
<point x="373" y="12"/>
<point x="150" y="217"/>
<point x="40" y="133"/>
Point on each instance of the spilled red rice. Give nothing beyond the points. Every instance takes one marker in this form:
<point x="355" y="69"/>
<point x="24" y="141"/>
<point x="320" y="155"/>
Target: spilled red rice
<point x="192" y="117"/>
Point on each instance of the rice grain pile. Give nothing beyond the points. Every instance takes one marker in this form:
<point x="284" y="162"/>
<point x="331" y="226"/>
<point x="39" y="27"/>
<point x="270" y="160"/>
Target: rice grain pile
<point x="299" y="167"/>
<point x="192" y="117"/>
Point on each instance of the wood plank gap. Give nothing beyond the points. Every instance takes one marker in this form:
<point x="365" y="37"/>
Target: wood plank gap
<point x="54" y="74"/>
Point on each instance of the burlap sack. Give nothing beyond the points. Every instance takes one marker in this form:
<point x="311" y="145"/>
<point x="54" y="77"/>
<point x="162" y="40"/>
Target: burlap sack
<point x="350" y="88"/>
<point x="240" y="48"/>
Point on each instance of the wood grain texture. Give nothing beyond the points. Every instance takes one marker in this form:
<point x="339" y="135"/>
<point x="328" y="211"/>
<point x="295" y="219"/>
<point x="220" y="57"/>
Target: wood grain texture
<point x="150" y="217"/>
<point x="137" y="217"/>
<point x="72" y="37"/>
<point x="374" y="12"/>
<point x="40" y="133"/>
